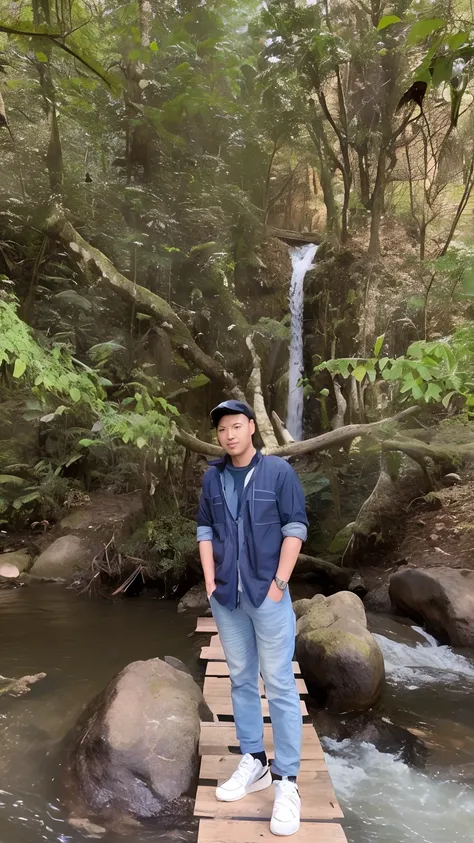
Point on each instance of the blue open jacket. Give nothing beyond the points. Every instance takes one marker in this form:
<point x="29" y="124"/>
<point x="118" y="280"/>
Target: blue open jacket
<point x="272" y="508"/>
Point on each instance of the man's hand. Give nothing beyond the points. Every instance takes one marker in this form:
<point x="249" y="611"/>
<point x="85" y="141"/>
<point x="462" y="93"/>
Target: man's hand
<point x="210" y="588"/>
<point x="275" y="594"/>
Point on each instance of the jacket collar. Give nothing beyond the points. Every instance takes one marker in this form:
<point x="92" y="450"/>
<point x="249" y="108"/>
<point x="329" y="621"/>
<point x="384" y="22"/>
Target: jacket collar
<point x="224" y="461"/>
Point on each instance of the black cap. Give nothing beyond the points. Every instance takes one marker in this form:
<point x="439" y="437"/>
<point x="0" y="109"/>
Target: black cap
<point x="228" y="408"/>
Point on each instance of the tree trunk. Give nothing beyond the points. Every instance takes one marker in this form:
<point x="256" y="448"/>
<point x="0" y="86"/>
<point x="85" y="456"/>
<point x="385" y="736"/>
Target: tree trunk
<point x="378" y="199"/>
<point x="144" y="300"/>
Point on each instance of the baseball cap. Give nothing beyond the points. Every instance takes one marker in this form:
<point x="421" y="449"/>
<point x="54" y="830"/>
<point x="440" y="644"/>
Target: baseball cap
<point x="226" y="408"/>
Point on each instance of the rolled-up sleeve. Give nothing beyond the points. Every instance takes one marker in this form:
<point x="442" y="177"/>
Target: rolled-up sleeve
<point x="204" y="520"/>
<point x="296" y="529"/>
<point x="292" y="506"/>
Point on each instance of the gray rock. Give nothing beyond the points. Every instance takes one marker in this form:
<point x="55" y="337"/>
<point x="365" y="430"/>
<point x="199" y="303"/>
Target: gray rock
<point x="19" y="559"/>
<point x="134" y="751"/>
<point x="358" y="586"/>
<point x="340" y="660"/>
<point x="64" y="558"/>
<point x="194" y="600"/>
<point x="442" y="598"/>
<point x="378" y="600"/>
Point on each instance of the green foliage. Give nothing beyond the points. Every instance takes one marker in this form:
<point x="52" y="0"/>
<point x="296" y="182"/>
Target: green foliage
<point x="32" y="493"/>
<point x="47" y="371"/>
<point x="429" y="371"/>
<point x="164" y="543"/>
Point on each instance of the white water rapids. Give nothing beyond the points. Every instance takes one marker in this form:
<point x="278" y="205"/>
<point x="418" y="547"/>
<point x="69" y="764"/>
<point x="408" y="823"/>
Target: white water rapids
<point x="387" y="801"/>
<point x="302" y="259"/>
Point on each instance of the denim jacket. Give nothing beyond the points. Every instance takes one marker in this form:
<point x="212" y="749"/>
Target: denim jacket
<point x="247" y="548"/>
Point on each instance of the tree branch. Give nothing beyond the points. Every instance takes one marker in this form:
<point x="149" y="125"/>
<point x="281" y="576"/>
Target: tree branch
<point x="254" y="389"/>
<point x="145" y="301"/>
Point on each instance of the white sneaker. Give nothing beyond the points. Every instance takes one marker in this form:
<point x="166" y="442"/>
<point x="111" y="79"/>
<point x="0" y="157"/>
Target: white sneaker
<point x="286" y="808"/>
<point x="249" y="777"/>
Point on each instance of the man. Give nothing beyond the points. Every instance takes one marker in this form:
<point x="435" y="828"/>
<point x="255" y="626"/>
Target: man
<point x="251" y="525"/>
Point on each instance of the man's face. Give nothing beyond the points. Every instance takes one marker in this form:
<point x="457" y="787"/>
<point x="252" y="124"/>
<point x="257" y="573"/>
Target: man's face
<point x="234" y="433"/>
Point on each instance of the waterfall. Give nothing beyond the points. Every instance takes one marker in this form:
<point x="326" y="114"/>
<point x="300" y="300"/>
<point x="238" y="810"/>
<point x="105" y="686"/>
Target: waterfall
<point x="302" y="259"/>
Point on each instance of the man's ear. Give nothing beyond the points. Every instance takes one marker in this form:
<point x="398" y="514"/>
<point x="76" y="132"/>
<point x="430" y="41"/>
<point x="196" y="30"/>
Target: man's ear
<point x="252" y="426"/>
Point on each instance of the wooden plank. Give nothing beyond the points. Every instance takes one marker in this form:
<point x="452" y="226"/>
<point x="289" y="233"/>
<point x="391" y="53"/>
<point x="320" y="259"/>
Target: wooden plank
<point x="215" y="686"/>
<point x="240" y="831"/>
<point x="212" y="654"/>
<point x="223" y="707"/>
<point x="221" y="668"/>
<point x="206" y="625"/>
<point x="220" y="767"/>
<point x="318" y="802"/>
<point x="217" y="737"/>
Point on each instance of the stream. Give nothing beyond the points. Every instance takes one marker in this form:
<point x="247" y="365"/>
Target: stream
<point x="82" y="643"/>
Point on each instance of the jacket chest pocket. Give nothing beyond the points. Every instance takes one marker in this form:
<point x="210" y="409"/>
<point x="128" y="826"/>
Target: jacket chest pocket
<point x="265" y="507"/>
<point x="217" y="504"/>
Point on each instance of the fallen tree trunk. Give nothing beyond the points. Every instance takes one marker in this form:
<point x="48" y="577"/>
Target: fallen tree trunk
<point x="332" y="439"/>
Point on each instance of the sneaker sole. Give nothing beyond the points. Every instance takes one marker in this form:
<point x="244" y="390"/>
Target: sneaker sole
<point x="284" y="832"/>
<point x="261" y="784"/>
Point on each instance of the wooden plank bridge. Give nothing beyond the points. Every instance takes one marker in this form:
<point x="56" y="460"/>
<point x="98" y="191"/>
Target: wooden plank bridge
<point x="248" y="821"/>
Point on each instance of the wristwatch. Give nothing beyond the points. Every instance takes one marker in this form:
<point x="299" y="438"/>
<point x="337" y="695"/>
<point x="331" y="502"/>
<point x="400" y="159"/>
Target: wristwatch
<point x="282" y="584"/>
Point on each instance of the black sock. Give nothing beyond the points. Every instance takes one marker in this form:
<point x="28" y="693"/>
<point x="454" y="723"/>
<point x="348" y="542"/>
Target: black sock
<point x="277" y="778"/>
<point x="260" y="756"/>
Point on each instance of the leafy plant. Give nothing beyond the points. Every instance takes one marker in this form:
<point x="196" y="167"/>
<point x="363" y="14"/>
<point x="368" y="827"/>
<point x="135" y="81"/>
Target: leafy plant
<point x="429" y="371"/>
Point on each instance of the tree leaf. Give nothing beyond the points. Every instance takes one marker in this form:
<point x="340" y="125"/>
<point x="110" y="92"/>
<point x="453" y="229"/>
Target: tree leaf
<point x="141" y="442"/>
<point x="378" y="345"/>
<point x="387" y="20"/>
<point x="154" y="47"/>
<point x="359" y="373"/>
<point x="19" y="368"/>
<point x="447" y="398"/>
<point x="42" y="57"/>
<point x="442" y="70"/>
<point x="422" y="28"/>
<point x="86" y="443"/>
<point x="75" y="394"/>
<point x="12" y="480"/>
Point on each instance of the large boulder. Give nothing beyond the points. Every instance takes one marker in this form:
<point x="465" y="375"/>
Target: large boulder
<point x="441" y="598"/>
<point x="134" y="749"/>
<point x="64" y="558"/>
<point x="14" y="563"/>
<point x="339" y="658"/>
<point x="195" y="600"/>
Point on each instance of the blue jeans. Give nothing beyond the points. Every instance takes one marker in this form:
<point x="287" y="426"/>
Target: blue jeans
<point x="262" y="641"/>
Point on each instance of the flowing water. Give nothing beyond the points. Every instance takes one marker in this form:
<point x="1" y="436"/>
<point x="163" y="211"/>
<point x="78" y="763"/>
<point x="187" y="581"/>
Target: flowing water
<point x="430" y="690"/>
<point x="82" y="643"/>
<point x="302" y="259"/>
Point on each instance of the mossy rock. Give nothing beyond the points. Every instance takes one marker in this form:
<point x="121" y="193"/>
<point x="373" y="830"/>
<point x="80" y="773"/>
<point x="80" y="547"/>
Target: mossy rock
<point x="344" y="663"/>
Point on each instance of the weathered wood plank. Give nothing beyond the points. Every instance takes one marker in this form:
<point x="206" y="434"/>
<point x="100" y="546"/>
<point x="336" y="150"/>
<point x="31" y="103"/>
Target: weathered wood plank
<point x="220" y="686"/>
<point x="220" y="767"/>
<point x="220" y="668"/>
<point x="240" y="831"/>
<point x="217" y="737"/>
<point x="212" y="654"/>
<point x="318" y="802"/>
<point x="206" y="625"/>
<point x="223" y="707"/>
